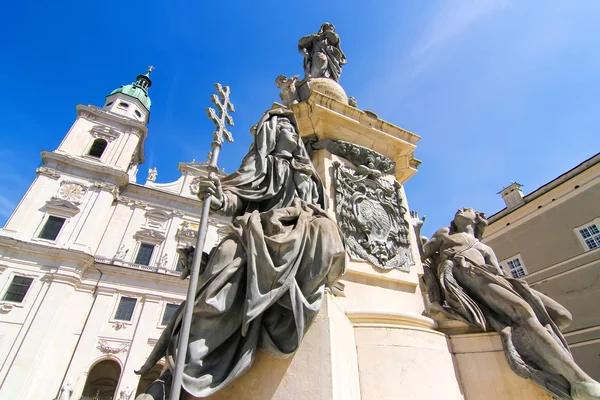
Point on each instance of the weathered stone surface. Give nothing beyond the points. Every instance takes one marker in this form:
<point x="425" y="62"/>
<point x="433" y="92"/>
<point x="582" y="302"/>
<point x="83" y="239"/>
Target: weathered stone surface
<point x="323" y="56"/>
<point x="371" y="216"/>
<point x="368" y="161"/>
<point x="268" y="297"/>
<point x="465" y="281"/>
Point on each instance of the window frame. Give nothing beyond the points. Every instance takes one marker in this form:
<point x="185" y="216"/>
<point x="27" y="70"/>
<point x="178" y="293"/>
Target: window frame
<point x="9" y="281"/>
<point x="137" y="250"/>
<point x="508" y="271"/>
<point x="91" y="146"/>
<point x="40" y="228"/>
<point x="116" y="308"/>
<point x="43" y="226"/>
<point x="595" y="221"/>
<point x="166" y="303"/>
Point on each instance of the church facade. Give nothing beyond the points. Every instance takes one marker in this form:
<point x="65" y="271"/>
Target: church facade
<point x="89" y="269"/>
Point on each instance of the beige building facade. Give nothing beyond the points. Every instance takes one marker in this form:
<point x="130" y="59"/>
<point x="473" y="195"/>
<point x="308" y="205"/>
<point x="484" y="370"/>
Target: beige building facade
<point x="551" y="238"/>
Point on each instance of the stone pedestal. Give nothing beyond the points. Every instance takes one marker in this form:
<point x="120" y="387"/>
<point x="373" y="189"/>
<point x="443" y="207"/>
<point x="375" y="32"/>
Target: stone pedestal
<point x="325" y="366"/>
<point x="374" y="343"/>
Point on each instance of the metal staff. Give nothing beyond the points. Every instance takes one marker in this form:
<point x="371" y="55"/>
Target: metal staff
<point x="223" y="117"/>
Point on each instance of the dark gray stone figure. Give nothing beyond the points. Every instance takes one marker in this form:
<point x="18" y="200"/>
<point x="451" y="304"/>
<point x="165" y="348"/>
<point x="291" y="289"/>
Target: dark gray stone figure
<point x="323" y="56"/>
<point x="263" y="285"/>
<point x="465" y="282"/>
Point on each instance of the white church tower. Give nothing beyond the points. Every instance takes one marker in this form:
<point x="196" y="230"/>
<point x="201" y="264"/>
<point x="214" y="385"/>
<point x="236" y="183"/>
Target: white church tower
<point x="100" y="154"/>
<point x="89" y="269"/>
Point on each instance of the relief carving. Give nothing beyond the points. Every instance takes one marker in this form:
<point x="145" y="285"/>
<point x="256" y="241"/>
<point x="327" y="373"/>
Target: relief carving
<point x="371" y="216"/>
<point x="106" y="348"/>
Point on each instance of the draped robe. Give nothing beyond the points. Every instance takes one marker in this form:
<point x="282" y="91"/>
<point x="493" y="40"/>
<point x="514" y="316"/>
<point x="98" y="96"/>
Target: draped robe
<point x="462" y="301"/>
<point x="264" y="283"/>
<point x="325" y="56"/>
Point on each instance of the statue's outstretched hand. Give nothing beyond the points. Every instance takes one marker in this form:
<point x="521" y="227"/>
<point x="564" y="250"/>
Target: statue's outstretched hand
<point x="211" y="186"/>
<point x="416" y="222"/>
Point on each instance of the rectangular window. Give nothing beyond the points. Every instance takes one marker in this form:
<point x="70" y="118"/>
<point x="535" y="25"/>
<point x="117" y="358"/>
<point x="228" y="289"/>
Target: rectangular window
<point x="168" y="314"/>
<point x="125" y="309"/>
<point x="18" y="289"/>
<point x="591" y="236"/>
<point x="51" y="228"/>
<point x="516" y="268"/>
<point x="144" y="254"/>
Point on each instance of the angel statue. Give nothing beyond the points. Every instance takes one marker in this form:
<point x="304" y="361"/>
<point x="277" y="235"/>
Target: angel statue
<point x="465" y="281"/>
<point x="323" y="56"/>
<point x="262" y="286"/>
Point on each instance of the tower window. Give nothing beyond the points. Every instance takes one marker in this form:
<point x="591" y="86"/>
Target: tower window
<point x="51" y="228"/>
<point x="138" y="114"/>
<point x="124" y="105"/>
<point x="18" y="289"/>
<point x="98" y="148"/>
<point x="144" y="254"/>
<point x="125" y="309"/>
<point x="109" y="104"/>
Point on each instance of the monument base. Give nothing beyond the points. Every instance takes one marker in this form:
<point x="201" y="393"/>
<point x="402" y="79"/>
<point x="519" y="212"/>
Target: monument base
<point x="325" y="366"/>
<point x="484" y="372"/>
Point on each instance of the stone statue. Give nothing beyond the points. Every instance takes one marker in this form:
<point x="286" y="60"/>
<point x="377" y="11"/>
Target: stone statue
<point x="121" y="253"/>
<point x="288" y="93"/>
<point x="465" y="281"/>
<point x="152" y="174"/>
<point x="126" y="393"/>
<point x="66" y="391"/>
<point x="323" y="57"/>
<point x="264" y="283"/>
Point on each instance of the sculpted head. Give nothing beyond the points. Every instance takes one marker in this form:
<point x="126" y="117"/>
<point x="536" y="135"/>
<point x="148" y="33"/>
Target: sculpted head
<point x="327" y="27"/>
<point x="286" y="136"/>
<point x="467" y="216"/>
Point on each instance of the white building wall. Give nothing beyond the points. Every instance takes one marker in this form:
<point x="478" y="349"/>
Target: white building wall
<point x="65" y="324"/>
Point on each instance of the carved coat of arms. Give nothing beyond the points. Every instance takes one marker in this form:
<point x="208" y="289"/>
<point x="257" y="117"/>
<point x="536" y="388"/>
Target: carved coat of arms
<point x="371" y="216"/>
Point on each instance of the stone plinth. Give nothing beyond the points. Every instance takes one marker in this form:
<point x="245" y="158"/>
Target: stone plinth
<point x="484" y="372"/>
<point x="325" y="366"/>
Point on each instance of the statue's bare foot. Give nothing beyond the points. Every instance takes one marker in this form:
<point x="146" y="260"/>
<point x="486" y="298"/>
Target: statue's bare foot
<point x="589" y="390"/>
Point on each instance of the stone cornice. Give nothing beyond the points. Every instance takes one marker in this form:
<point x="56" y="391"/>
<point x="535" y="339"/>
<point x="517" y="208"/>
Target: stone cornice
<point x="44" y="251"/>
<point x="103" y="172"/>
<point x="50" y="172"/>
<point x="95" y="113"/>
<point x="390" y="319"/>
<point x="160" y="198"/>
<point x="323" y="117"/>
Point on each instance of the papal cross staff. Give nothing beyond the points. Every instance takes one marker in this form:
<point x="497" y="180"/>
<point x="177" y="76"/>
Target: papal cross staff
<point x="220" y="118"/>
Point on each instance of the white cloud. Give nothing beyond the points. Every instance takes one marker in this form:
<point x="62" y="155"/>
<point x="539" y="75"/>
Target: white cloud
<point x="449" y="23"/>
<point x="452" y="19"/>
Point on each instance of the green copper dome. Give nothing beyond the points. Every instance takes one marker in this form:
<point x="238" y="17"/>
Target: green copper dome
<point x="138" y="89"/>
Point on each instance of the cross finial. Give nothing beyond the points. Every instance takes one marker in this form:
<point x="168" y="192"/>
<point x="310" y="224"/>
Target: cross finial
<point x="221" y="118"/>
<point x="150" y="69"/>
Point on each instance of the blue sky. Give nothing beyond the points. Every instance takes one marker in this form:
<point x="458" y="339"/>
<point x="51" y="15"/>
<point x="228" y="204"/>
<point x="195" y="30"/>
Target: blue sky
<point x="498" y="90"/>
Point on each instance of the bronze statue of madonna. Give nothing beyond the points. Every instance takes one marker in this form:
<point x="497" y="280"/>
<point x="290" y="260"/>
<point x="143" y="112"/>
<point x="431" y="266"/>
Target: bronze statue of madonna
<point x="465" y="282"/>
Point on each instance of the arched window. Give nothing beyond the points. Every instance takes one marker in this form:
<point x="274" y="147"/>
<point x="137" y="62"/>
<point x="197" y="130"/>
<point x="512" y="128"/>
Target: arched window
<point x="98" y="148"/>
<point x="102" y="380"/>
